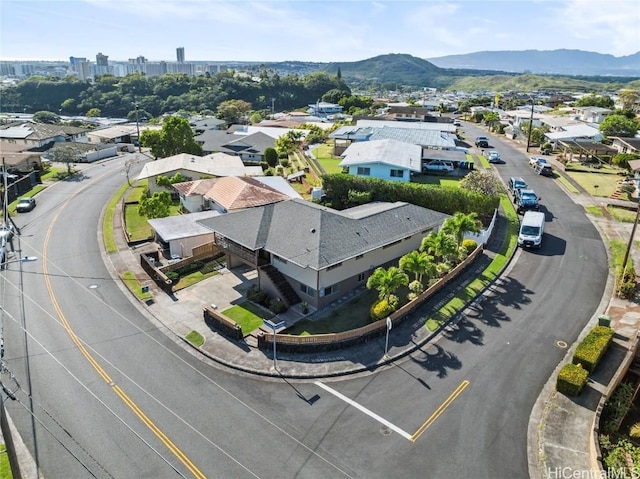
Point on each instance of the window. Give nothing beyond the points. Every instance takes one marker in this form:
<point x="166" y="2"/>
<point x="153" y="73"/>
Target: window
<point x="364" y="171"/>
<point x="397" y="173"/>
<point x="307" y="290"/>
<point x="362" y="277"/>
<point x="331" y="290"/>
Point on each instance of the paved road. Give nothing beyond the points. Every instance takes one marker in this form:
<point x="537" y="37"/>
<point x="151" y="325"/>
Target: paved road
<point x="112" y="405"/>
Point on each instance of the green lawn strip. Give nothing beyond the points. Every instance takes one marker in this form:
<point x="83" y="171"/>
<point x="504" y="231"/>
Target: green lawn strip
<point x="567" y="184"/>
<point x="195" y="338"/>
<point x="618" y="249"/>
<point x="51" y="174"/>
<point x="248" y="316"/>
<point x="448" y="182"/>
<point x="107" y="224"/>
<point x="483" y="161"/>
<point x="594" y="210"/>
<point x="596" y="184"/>
<point x="192" y="278"/>
<point x="134" y="286"/>
<point x="622" y="215"/>
<point x="5" y="466"/>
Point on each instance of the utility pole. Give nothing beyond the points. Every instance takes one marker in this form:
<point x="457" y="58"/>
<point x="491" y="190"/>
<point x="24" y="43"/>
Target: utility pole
<point x="626" y="253"/>
<point x="273" y="106"/>
<point x="138" y="128"/>
<point x="530" y="126"/>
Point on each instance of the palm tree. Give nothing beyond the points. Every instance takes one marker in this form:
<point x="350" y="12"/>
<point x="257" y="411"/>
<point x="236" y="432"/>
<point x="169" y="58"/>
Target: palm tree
<point x="419" y="263"/>
<point x="491" y="118"/>
<point x="441" y="245"/>
<point x="461" y="223"/>
<point x="387" y="281"/>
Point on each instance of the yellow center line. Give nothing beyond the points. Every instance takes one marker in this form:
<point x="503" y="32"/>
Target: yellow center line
<point x="175" y="450"/>
<point x="414" y="437"/>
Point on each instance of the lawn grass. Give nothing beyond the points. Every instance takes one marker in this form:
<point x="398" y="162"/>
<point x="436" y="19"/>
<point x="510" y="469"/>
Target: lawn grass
<point x="107" y="223"/>
<point x="622" y="215"/>
<point x="138" y="228"/>
<point x="618" y="249"/>
<point x="5" y="466"/>
<point x="594" y="210"/>
<point x="51" y="173"/>
<point x="324" y="155"/>
<point x="134" y="285"/>
<point x="137" y="191"/>
<point x="195" y="338"/>
<point x="444" y="181"/>
<point x="483" y="161"/>
<point x="567" y="184"/>
<point x="595" y="184"/>
<point x="248" y="316"/>
<point x="193" y="278"/>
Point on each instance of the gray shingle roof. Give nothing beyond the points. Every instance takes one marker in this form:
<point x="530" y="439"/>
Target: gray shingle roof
<point x="316" y="236"/>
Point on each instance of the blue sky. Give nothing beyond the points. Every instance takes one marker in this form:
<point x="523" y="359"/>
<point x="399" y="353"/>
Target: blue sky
<point x="320" y="31"/>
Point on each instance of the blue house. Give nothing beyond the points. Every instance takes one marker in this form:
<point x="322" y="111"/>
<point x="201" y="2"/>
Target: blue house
<point x="385" y="159"/>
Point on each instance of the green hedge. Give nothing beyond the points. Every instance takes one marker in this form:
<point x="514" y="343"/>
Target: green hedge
<point x="341" y="189"/>
<point x="571" y="379"/>
<point x="592" y="347"/>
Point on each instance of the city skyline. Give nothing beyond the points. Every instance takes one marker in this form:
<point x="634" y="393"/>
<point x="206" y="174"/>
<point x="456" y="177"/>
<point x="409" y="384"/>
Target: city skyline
<point x="317" y="31"/>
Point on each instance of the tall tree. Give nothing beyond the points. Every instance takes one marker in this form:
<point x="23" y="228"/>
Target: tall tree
<point x="48" y="117"/>
<point x="629" y="99"/>
<point x="619" y="125"/>
<point x="175" y="137"/>
<point x="67" y="154"/>
<point x="233" y="111"/>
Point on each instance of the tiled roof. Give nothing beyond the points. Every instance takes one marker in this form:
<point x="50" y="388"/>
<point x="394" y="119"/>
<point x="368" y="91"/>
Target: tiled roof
<point x="315" y="236"/>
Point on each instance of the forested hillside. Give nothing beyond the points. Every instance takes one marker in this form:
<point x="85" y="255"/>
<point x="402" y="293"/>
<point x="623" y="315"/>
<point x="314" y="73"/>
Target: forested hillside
<point x="116" y="97"/>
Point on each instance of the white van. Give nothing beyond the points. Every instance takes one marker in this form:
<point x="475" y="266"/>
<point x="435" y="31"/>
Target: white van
<point x="531" y="230"/>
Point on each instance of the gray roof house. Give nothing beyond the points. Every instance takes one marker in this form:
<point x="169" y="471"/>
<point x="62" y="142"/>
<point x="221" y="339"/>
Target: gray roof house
<point x="307" y="252"/>
<point x="384" y="159"/>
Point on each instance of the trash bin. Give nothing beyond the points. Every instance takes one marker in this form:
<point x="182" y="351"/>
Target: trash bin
<point x="604" y="321"/>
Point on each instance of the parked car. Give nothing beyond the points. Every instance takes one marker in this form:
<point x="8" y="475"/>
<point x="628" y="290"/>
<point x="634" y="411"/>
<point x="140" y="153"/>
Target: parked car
<point x="439" y="165"/>
<point x="535" y="160"/>
<point x="526" y="199"/>
<point x="482" y="142"/>
<point x="457" y="123"/>
<point x="544" y="169"/>
<point x="26" y="204"/>
<point x="531" y="230"/>
<point x="516" y="183"/>
<point x="494" y="157"/>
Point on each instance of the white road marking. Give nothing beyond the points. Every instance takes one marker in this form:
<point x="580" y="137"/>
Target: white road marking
<point x="364" y="410"/>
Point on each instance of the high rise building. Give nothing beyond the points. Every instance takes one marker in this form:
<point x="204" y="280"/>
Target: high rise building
<point x="102" y="60"/>
<point x="81" y="67"/>
<point x="180" y="54"/>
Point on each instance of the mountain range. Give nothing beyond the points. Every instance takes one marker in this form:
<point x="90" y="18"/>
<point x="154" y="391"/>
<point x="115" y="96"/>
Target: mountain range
<point x="563" y="62"/>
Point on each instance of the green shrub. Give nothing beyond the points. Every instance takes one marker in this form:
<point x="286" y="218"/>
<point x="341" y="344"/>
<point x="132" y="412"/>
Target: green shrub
<point x="469" y="245"/>
<point x="616" y="408"/>
<point x="627" y="282"/>
<point x="277" y="306"/>
<point x="255" y="295"/>
<point x="592" y="347"/>
<point x="383" y="308"/>
<point x="571" y="379"/>
<point x="172" y="275"/>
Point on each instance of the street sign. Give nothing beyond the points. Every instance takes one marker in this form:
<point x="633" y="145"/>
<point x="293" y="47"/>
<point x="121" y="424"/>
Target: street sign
<point x="273" y="325"/>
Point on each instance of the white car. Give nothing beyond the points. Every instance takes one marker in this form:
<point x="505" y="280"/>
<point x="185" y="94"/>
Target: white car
<point x="536" y="160"/>
<point x="439" y="165"/>
<point x="457" y="123"/>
